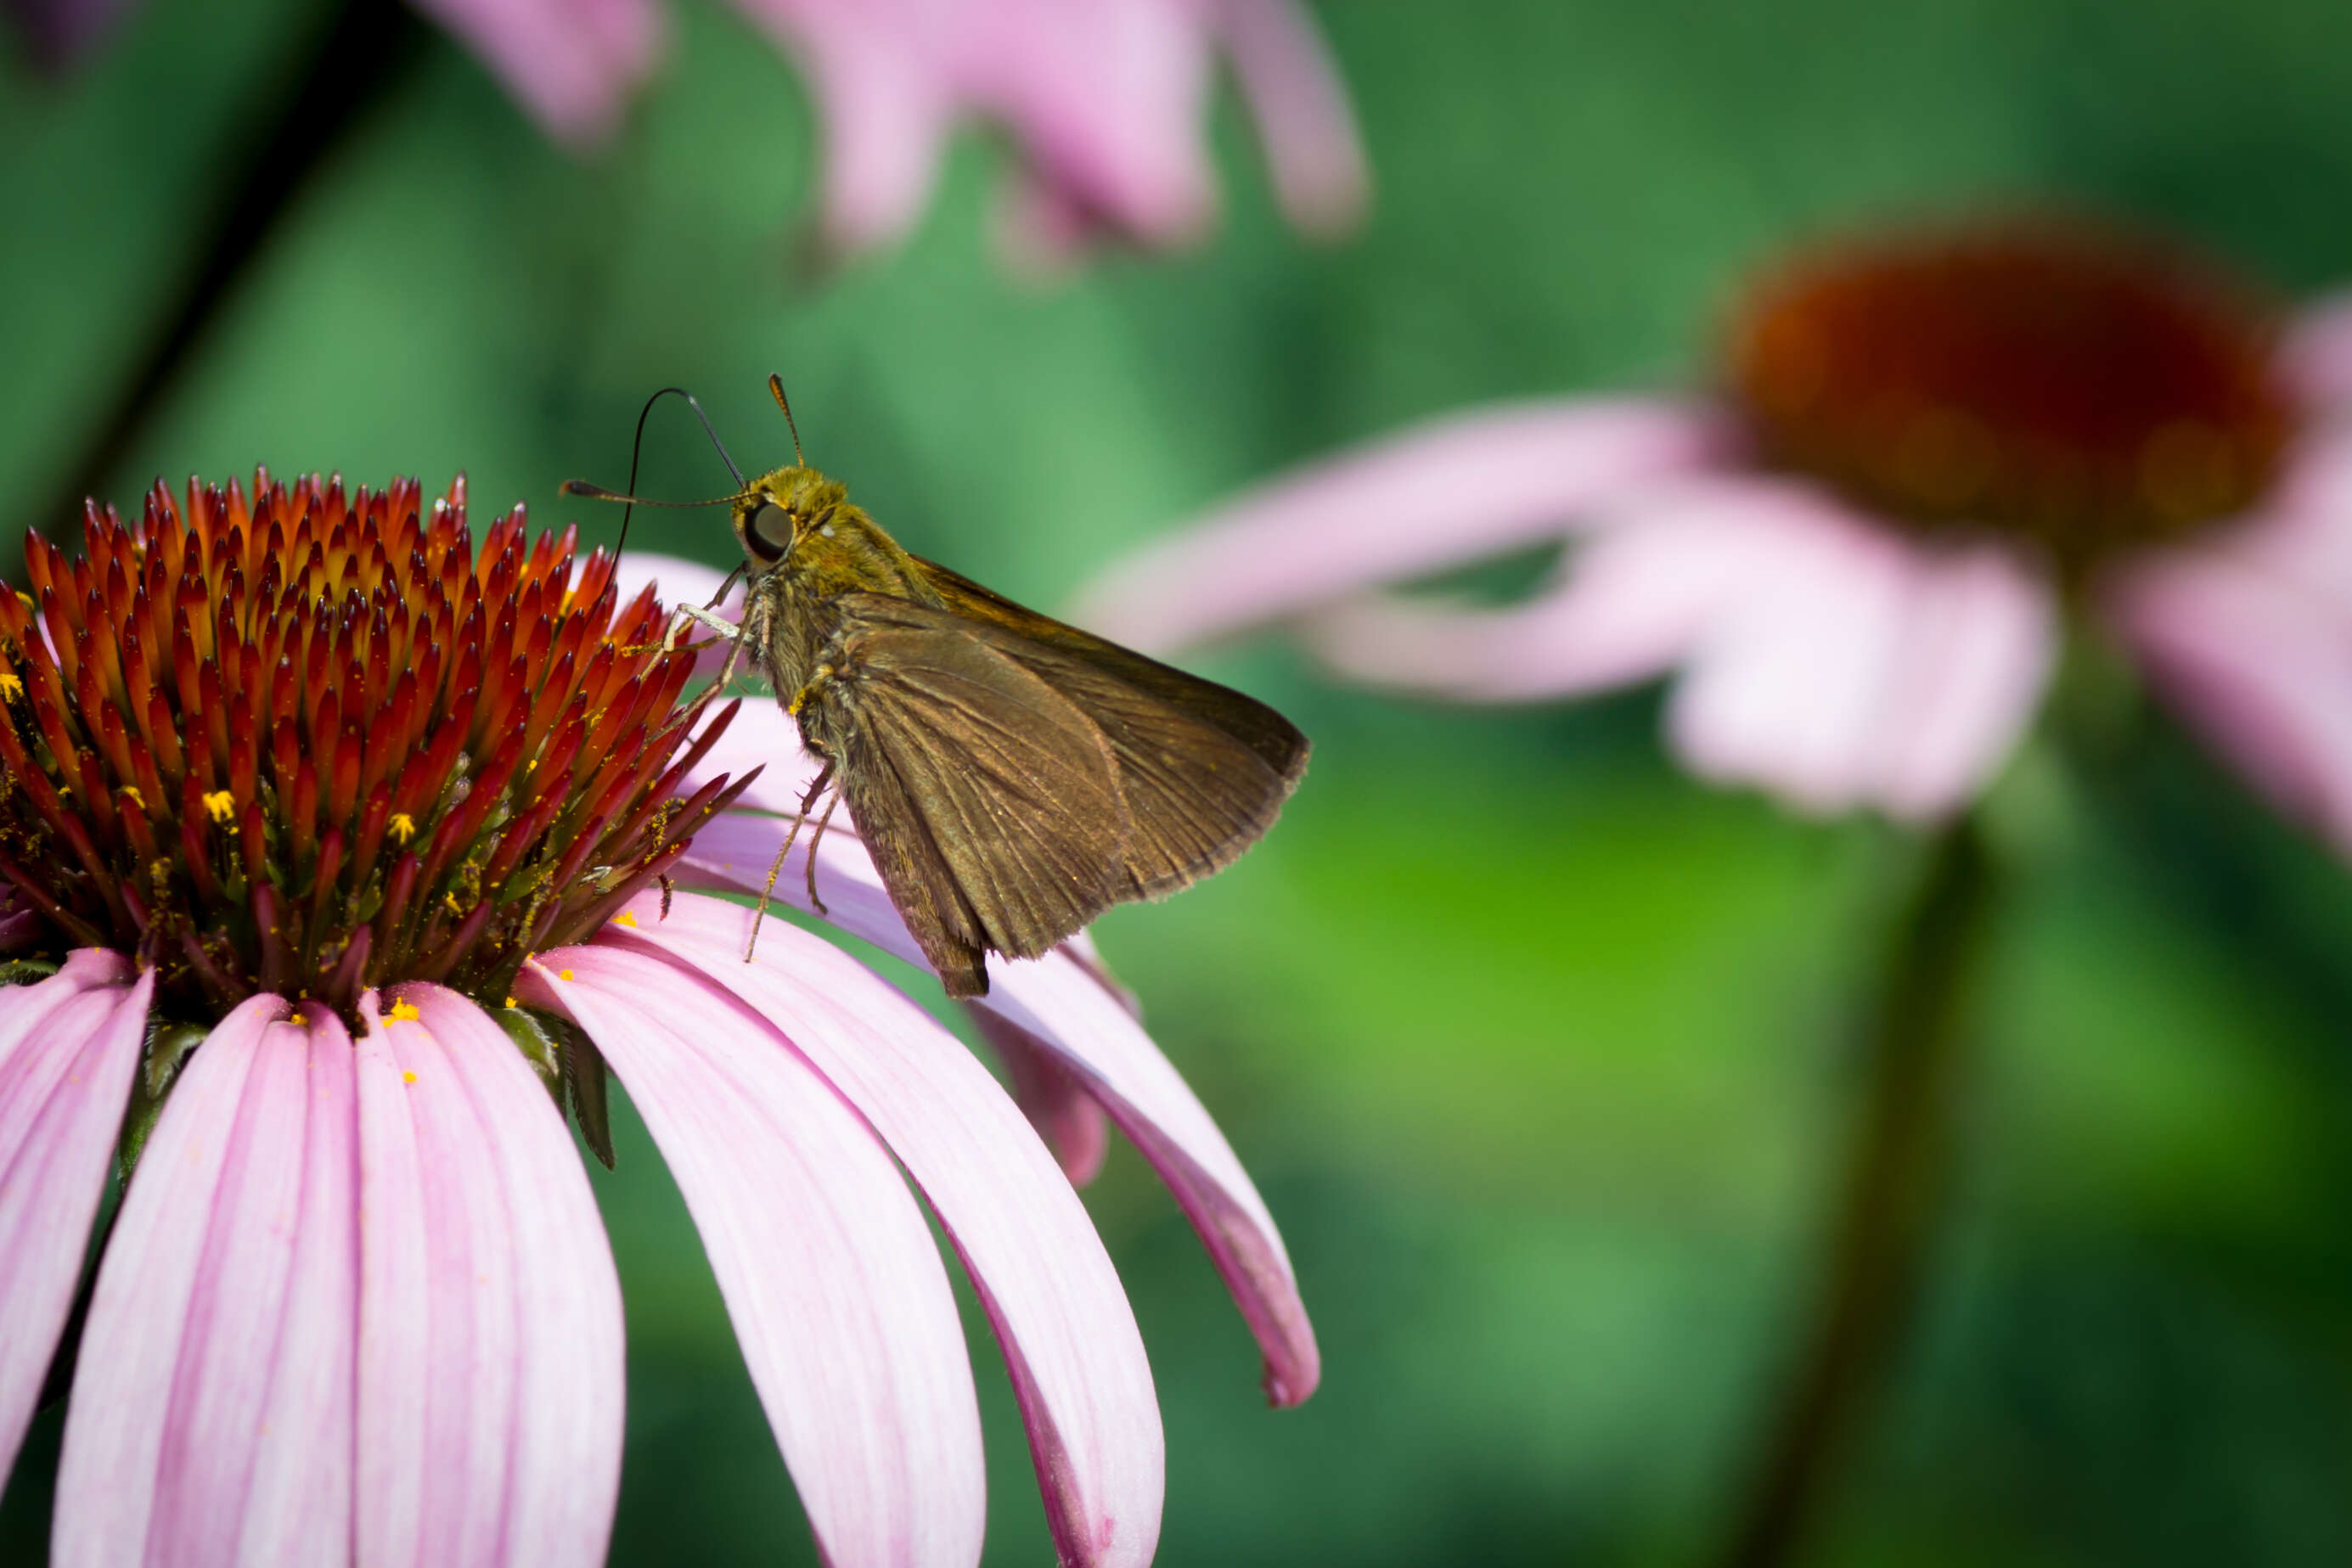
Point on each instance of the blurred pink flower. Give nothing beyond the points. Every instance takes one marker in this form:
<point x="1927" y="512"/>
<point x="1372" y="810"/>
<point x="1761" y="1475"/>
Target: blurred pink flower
<point x="1106" y="99"/>
<point x="1857" y="560"/>
<point x="357" y="1299"/>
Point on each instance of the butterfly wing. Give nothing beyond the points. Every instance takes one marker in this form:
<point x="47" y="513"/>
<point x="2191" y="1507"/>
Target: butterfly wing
<point x="990" y="801"/>
<point x="1273" y="738"/>
<point x="1195" y="795"/>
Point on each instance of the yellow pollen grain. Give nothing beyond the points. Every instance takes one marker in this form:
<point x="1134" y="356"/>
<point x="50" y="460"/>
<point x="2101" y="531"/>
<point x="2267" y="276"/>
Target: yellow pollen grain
<point x="11" y="687"/>
<point x="408" y="1078"/>
<point x="564" y="974"/>
<point x="625" y="918"/>
<point x="511" y="1001"/>
<point x="220" y="805"/>
<point x="402" y="826"/>
<point x="130" y="793"/>
<point x="404" y="1012"/>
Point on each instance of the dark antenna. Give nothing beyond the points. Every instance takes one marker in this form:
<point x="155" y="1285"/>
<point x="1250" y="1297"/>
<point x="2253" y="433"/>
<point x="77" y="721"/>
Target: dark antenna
<point x="776" y="385"/>
<point x="582" y="489"/>
<point x="637" y="447"/>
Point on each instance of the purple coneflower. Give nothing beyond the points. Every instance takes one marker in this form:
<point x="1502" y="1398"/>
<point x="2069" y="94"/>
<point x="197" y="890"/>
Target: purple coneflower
<point x="330" y="852"/>
<point x="1106" y="100"/>
<point x="1856" y="557"/>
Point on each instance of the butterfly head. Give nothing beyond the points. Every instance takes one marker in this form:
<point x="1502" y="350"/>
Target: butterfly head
<point x="780" y="510"/>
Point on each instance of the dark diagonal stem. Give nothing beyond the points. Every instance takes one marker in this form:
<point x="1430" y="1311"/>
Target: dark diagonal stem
<point x="355" y="61"/>
<point x="1893" y="1186"/>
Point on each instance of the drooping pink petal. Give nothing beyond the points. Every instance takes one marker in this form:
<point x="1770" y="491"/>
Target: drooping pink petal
<point x="1065" y="1005"/>
<point x="830" y="1274"/>
<point x="490" y="1371"/>
<point x="1068" y="1336"/>
<point x="212" y="1417"/>
<point x="69" y="1048"/>
<point x="1069" y="1119"/>
<point x="1301" y="108"/>
<point x="883" y="81"/>
<point x="2315" y="355"/>
<point x="1106" y="99"/>
<point x="2260" y="665"/>
<point x="1066" y="1012"/>
<point x="571" y="62"/>
<point x="1449" y="492"/>
<point x="1669" y="562"/>
<point x="1789" y="688"/>
<point x="1978" y="645"/>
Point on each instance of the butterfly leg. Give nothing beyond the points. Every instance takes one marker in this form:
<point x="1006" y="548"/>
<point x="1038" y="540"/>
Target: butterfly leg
<point x="815" y="839"/>
<point x="808" y="801"/>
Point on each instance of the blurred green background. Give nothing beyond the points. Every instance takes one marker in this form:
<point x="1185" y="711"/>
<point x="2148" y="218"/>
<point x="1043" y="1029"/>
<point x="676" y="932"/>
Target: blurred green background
<point x="1539" y="1053"/>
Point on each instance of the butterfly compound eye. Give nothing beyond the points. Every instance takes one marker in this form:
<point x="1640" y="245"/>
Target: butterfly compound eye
<point x="771" y="533"/>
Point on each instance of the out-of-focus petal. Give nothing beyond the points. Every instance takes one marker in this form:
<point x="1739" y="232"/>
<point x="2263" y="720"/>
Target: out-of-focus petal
<point x="489" y="1370"/>
<point x="1978" y="645"/>
<point x="2304" y="532"/>
<point x="1063" y="1003"/>
<point x="1107" y="100"/>
<point x="1069" y="1119"/>
<point x="836" y="1290"/>
<point x="1450" y="492"/>
<point x="2261" y="666"/>
<point x="1789" y="688"/>
<point x="213" y="1412"/>
<point x="2317" y="354"/>
<point x="1301" y="108"/>
<point x="1669" y="562"/>
<point x="571" y="62"/>
<point x="882" y="80"/>
<point x="69" y="1048"/>
<point x="1070" y="1337"/>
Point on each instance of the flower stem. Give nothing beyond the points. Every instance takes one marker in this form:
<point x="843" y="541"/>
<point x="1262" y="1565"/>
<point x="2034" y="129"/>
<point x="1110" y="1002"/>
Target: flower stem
<point x="1893" y="1186"/>
<point x="352" y="64"/>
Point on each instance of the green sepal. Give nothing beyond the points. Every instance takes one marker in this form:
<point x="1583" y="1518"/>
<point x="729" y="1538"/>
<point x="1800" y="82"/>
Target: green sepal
<point x="527" y="1026"/>
<point x="166" y="1051"/>
<point x="25" y="971"/>
<point x="585" y="1082"/>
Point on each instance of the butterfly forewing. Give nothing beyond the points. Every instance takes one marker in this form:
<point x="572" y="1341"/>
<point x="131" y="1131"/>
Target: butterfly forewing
<point x="989" y="799"/>
<point x="1275" y="739"/>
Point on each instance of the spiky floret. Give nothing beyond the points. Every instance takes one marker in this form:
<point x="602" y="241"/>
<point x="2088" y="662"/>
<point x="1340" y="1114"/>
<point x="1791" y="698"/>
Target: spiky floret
<point x="2079" y="387"/>
<point x="309" y="742"/>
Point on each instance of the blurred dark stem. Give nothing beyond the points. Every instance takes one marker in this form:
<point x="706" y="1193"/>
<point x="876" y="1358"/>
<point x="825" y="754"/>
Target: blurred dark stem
<point x="1893" y="1191"/>
<point x="356" y="59"/>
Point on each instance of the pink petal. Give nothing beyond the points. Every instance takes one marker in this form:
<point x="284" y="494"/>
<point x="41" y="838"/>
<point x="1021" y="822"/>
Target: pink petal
<point x="1453" y="491"/>
<point x="2317" y="354"/>
<point x="212" y="1415"/>
<point x="69" y="1048"/>
<point x="1634" y="600"/>
<point x="572" y="62"/>
<point x="2303" y="531"/>
<point x="1066" y="1008"/>
<point x="2262" y="666"/>
<point x="880" y="74"/>
<point x="1979" y="642"/>
<point x="1301" y="108"/>
<point x="490" y="1371"/>
<point x="1069" y="1119"/>
<point x="830" y="1273"/>
<point x="1069" y="1338"/>
<point x="1852" y="668"/>
<point x="1106" y="98"/>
